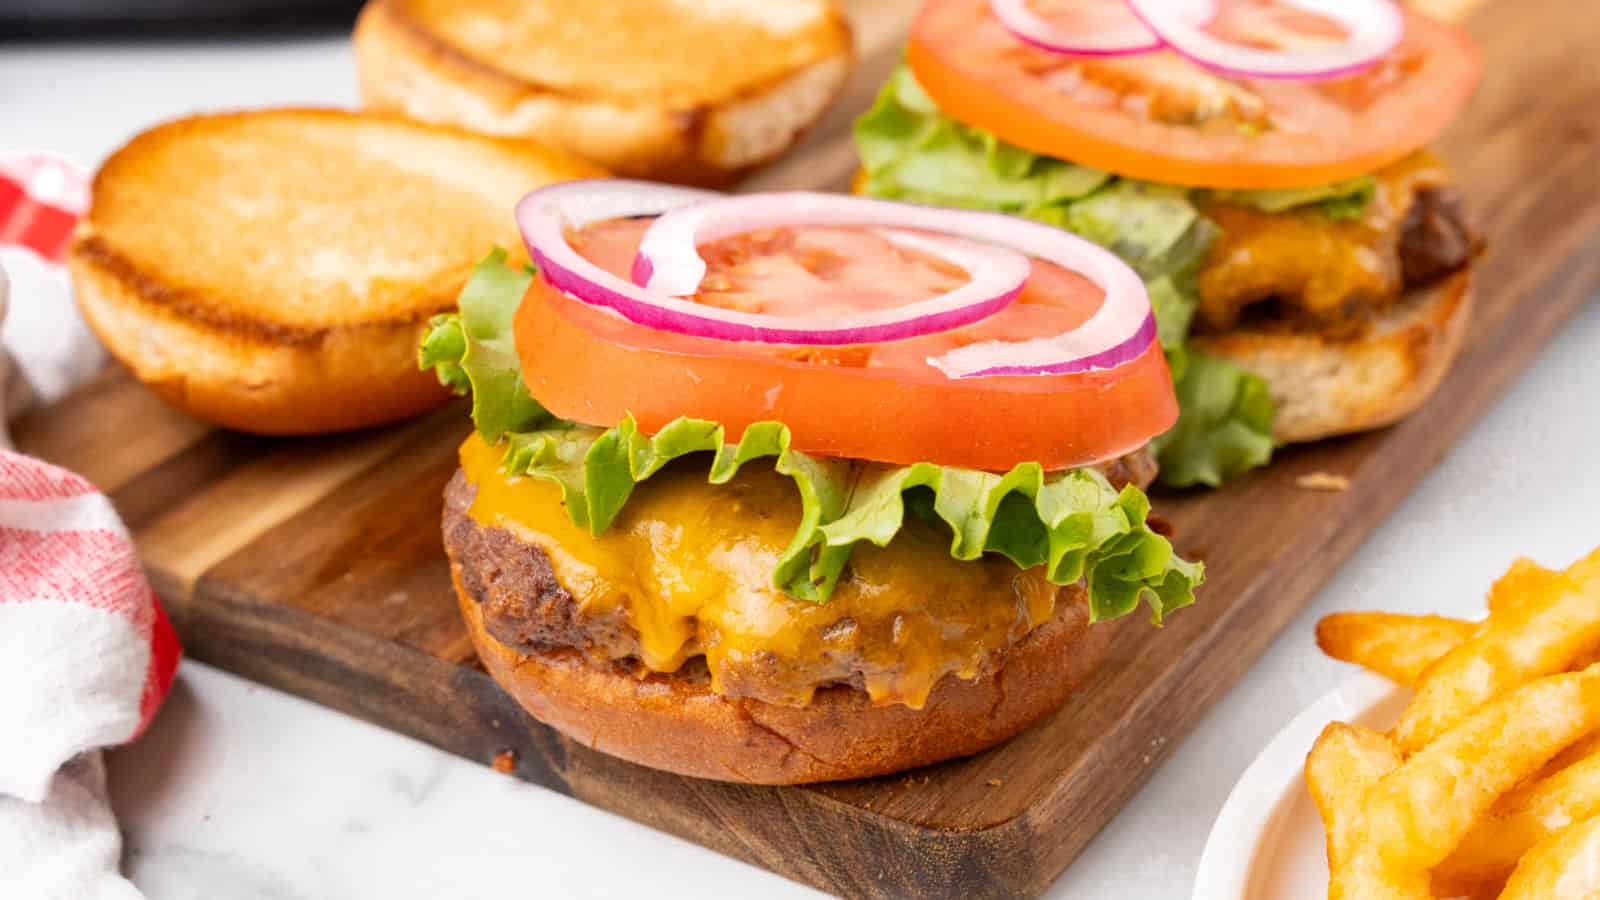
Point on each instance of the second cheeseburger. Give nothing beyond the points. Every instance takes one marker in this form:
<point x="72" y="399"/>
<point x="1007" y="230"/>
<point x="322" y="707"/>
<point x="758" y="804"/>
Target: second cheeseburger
<point x="799" y="487"/>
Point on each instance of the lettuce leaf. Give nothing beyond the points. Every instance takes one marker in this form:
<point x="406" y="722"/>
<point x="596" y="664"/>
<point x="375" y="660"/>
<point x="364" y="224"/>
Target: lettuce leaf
<point x="1174" y="310"/>
<point x="1342" y="201"/>
<point x="1224" y="422"/>
<point x="1075" y="524"/>
<point x="1153" y="227"/>
<point x="475" y="349"/>
<point x="912" y="151"/>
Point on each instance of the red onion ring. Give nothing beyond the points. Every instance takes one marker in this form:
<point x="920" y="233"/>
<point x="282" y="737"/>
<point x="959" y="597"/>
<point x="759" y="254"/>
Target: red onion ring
<point x="1132" y="37"/>
<point x="997" y="274"/>
<point x="1119" y="331"/>
<point x="1373" y="28"/>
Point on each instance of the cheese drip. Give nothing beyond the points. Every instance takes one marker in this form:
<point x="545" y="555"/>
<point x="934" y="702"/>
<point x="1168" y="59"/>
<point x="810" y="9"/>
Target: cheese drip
<point x="691" y="566"/>
<point x="1323" y="272"/>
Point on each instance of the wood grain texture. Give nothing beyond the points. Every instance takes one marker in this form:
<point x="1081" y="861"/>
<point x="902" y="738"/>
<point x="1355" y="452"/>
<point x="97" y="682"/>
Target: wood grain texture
<point x="314" y="565"/>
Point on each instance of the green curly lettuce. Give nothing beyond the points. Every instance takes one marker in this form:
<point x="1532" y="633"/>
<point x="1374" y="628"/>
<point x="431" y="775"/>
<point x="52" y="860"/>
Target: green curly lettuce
<point x="475" y="349"/>
<point x="1074" y="524"/>
<point x="912" y="152"/>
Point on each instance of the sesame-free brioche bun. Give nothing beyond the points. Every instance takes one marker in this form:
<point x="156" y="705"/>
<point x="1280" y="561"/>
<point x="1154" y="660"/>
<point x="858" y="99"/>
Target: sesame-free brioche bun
<point x="691" y="91"/>
<point x="272" y="271"/>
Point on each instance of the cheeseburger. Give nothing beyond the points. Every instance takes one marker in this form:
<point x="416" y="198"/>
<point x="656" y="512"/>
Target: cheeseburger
<point x="1260" y="163"/>
<point x="799" y="487"/>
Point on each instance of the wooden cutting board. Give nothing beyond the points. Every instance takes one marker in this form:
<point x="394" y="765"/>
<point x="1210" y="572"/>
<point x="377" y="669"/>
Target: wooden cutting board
<point x="315" y="566"/>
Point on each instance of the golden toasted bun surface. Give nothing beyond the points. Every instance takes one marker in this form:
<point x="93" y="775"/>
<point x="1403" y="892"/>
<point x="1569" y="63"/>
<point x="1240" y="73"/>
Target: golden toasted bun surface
<point x="1325" y="386"/>
<point x="684" y="90"/>
<point x="678" y="53"/>
<point x="675" y="722"/>
<point x="271" y="271"/>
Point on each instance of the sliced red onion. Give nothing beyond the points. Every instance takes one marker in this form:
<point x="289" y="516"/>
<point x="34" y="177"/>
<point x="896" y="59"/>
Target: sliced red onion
<point x="1120" y="330"/>
<point x="987" y="245"/>
<point x="996" y="273"/>
<point x="1372" y="29"/>
<point x="1096" y="344"/>
<point x="669" y="262"/>
<point x="1123" y="33"/>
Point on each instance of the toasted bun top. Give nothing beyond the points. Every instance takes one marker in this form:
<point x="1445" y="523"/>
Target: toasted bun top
<point x="289" y="222"/>
<point x="673" y="53"/>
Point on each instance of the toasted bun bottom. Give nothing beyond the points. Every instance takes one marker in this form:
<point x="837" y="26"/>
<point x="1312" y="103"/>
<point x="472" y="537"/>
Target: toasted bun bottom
<point x="677" y="723"/>
<point x="351" y="378"/>
<point x="1325" y="386"/>
<point x="402" y="66"/>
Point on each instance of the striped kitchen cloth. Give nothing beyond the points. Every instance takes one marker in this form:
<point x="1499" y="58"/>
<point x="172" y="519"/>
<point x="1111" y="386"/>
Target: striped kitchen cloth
<point x="86" y="654"/>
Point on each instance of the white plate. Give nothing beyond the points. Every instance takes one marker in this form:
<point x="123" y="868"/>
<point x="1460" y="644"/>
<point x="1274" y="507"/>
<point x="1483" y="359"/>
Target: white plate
<point x="1267" y="842"/>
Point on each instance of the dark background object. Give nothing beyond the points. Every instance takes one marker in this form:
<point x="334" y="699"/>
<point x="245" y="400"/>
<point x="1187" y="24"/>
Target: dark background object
<point x="166" y="18"/>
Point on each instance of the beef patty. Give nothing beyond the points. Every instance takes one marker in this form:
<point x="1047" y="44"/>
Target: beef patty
<point x="1302" y="270"/>
<point x="1436" y="238"/>
<point x="527" y="607"/>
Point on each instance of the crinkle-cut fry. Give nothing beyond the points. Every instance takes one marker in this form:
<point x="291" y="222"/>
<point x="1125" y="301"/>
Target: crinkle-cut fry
<point x="1564" y="866"/>
<point x="1531" y="813"/>
<point x="1551" y="630"/>
<point x="1412" y="818"/>
<point x="1398" y="647"/>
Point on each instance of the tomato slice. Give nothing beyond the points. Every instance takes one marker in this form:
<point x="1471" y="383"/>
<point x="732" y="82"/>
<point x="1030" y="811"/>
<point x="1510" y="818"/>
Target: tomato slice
<point x="1158" y="117"/>
<point x="880" y="402"/>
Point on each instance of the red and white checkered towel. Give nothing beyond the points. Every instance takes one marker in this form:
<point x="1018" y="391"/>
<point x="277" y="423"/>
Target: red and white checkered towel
<point x="86" y="654"/>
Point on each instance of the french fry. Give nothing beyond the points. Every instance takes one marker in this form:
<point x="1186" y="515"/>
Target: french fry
<point x="1564" y="866"/>
<point x="1398" y="647"/>
<point x="1479" y="785"/>
<point x="1524" y="579"/>
<point x="1552" y="626"/>
<point x="1586" y="568"/>
<point x="1345" y="761"/>
<point x="1410" y="819"/>
<point x="1532" y="813"/>
<point x="1566" y="759"/>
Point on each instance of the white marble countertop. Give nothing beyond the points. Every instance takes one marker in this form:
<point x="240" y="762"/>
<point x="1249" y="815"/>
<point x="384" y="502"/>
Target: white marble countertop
<point x="239" y="791"/>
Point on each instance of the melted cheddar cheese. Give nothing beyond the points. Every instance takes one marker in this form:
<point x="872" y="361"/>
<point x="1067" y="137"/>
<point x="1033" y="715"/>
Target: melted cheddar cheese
<point x="1321" y="271"/>
<point x="691" y="565"/>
